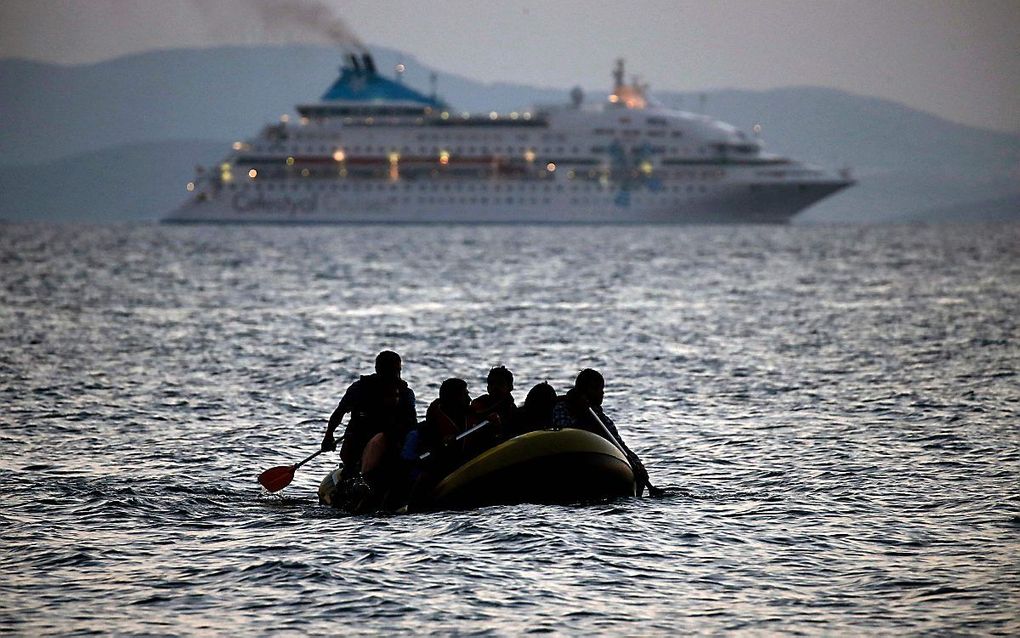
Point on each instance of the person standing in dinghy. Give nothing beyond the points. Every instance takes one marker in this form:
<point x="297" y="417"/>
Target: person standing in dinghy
<point x="382" y="409"/>
<point x="574" y="410"/>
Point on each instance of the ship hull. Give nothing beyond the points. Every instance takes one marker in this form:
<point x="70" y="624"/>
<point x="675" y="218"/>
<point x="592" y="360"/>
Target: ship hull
<point x="759" y="203"/>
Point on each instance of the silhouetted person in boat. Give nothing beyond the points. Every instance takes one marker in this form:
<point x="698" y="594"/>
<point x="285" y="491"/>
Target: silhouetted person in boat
<point x="447" y="416"/>
<point x="496" y="406"/>
<point x="382" y="410"/>
<point x="537" y="411"/>
<point x="571" y="411"/>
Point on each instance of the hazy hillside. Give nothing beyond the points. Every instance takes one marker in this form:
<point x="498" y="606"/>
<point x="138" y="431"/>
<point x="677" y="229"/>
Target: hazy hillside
<point x="132" y="182"/>
<point x="118" y="138"/>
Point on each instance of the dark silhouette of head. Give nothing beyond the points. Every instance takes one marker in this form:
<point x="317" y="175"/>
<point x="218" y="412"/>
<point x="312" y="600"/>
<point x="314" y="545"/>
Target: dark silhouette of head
<point x="454" y="397"/>
<point x="387" y="364"/>
<point x="590" y="383"/>
<point x="540" y="402"/>
<point x="500" y="382"/>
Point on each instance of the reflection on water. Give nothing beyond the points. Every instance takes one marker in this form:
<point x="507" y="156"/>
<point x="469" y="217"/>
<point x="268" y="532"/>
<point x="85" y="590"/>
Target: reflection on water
<point x="834" y="410"/>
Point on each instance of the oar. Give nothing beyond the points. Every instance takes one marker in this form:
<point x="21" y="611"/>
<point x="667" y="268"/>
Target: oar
<point x="652" y="490"/>
<point x="459" y="437"/>
<point x="276" y="478"/>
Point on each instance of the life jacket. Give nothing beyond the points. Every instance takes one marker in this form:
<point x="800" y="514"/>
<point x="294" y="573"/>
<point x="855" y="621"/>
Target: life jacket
<point x="369" y="415"/>
<point x="486" y="408"/>
<point x="439" y="426"/>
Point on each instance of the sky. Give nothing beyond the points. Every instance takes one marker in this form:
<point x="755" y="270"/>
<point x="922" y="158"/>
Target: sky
<point x="956" y="59"/>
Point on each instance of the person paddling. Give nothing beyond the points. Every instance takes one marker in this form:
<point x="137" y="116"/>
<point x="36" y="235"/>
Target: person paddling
<point x="581" y="408"/>
<point x="382" y="409"/>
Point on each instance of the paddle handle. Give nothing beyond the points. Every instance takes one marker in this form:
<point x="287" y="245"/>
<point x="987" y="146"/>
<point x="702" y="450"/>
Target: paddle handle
<point x="459" y="437"/>
<point x="312" y="456"/>
<point x="608" y="433"/>
<point x="309" y="458"/>
<point x="652" y="490"/>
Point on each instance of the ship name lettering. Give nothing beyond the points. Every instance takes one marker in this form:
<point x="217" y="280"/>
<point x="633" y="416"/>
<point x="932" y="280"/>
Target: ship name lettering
<point x="259" y="203"/>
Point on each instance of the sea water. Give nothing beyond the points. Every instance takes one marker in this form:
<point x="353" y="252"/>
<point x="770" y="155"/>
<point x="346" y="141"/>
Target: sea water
<point x="833" y="411"/>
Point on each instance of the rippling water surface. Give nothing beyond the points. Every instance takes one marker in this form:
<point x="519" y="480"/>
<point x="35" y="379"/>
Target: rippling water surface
<point x="835" y="411"/>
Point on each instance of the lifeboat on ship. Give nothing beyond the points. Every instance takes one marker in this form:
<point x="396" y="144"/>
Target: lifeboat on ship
<point x="545" y="466"/>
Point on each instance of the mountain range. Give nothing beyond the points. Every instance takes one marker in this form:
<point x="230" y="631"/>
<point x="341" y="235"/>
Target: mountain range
<point x="118" y="140"/>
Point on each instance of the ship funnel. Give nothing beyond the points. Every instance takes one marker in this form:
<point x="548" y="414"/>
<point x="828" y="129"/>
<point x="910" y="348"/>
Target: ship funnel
<point x="354" y="63"/>
<point x="369" y="64"/>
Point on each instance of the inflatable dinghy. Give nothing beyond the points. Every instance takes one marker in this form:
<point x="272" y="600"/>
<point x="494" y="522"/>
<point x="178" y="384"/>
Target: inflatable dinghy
<point x="546" y="466"/>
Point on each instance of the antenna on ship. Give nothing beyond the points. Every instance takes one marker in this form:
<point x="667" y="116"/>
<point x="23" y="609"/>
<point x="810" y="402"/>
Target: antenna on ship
<point x="618" y="76"/>
<point x="433" y="82"/>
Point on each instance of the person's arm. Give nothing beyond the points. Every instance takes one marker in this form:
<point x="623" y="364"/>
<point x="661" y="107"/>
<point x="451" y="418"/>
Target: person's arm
<point x="410" y="416"/>
<point x="345" y="406"/>
<point x="640" y="473"/>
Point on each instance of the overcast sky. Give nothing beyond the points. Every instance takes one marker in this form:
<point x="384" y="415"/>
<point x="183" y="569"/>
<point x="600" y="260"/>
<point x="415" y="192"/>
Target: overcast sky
<point x="958" y="59"/>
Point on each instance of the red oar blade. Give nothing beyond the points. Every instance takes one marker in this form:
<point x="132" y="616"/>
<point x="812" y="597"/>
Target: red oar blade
<point x="276" y="478"/>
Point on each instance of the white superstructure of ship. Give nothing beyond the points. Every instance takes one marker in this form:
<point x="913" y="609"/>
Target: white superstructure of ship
<point x="375" y="150"/>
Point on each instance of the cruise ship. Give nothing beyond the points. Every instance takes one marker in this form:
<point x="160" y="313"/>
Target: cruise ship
<point x="375" y="150"/>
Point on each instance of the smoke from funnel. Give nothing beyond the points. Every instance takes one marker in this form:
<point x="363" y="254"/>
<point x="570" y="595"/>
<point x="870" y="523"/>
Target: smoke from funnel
<point x="294" y="20"/>
<point x="309" y="16"/>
